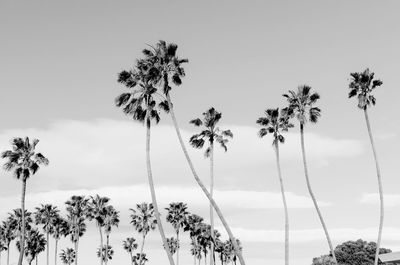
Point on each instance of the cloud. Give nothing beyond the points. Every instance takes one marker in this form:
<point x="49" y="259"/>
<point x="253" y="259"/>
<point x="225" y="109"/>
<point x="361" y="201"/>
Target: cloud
<point x="391" y="200"/>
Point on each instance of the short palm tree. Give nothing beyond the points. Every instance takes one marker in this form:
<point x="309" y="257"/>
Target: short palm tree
<point x="106" y="253"/>
<point x="8" y="235"/>
<point x="67" y="256"/>
<point x="302" y="104"/>
<point x="362" y="84"/>
<point x="173" y="245"/>
<point x="130" y="246"/>
<point x="77" y="212"/>
<point x="139" y="259"/>
<point x="60" y="228"/>
<point x="211" y="134"/>
<point x="46" y="215"/>
<point x="143" y="220"/>
<point x="142" y="104"/>
<point x="35" y="243"/>
<point x="111" y="219"/>
<point x="168" y="68"/>
<point x="176" y="215"/>
<point x="276" y="122"/>
<point x="24" y="162"/>
<point x="97" y="210"/>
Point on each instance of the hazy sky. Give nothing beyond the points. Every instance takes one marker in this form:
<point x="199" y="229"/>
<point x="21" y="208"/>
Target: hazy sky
<point x="58" y="67"/>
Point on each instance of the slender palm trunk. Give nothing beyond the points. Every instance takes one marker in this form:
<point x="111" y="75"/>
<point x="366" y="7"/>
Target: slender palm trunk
<point x="55" y="252"/>
<point x="153" y="192"/>
<point x="22" y="238"/>
<point x="0" y="257"/>
<point x="106" y="257"/>
<point x="131" y="257"/>
<point x="200" y="183"/>
<point x="8" y="254"/>
<point x="378" y="174"/>
<point x="141" y="249"/>
<point x="36" y="260"/>
<point x="48" y="247"/>
<point x="312" y="194"/>
<point x="177" y="249"/>
<point x="76" y="252"/>
<point x="284" y="204"/>
<point x="101" y="241"/>
<point x="212" y="196"/>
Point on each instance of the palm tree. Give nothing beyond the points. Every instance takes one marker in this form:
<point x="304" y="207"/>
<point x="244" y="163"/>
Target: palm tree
<point x="302" y="104"/>
<point x="77" y="211"/>
<point x="173" y="245"/>
<point x="96" y="211"/>
<point x="105" y="253"/>
<point x="275" y="122"/>
<point x="24" y="162"/>
<point x="15" y="218"/>
<point x="8" y="236"/>
<point x="193" y="225"/>
<point x="211" y="133"/>
<point x="111" y="219"/>
<point x="362" y="84"/>
<point x="68" y="256"/>
<point x="140" y="259"/>
<point x="143" y="220"/>
<point x="176" y="215"/>
<point x="46" y="215"/>
<point x="130" y="246"/>
<point x="60" y="228"/>
<point x="3" y="245"/>
<point x="168" y="68"/>
<point x="140" y="103"/>
<point x="34" y="244"/>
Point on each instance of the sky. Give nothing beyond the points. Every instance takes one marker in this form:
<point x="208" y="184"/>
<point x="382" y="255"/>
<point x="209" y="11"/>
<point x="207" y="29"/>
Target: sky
<point x="58" y="69"/>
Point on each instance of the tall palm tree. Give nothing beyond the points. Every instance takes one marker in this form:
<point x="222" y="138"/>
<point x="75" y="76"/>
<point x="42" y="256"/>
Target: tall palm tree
<point x="130" y="245"/>
<point x="141" y="103"/>
<point x="8" y="235"/>
<point x="211" y="134"/>
<point x="67" y="256"/>
<point x="35" y="243"/>
<point x="168" y="68"/>
<point x="77" y="212"/>
<point x="143" y="220"/>
<point x="60" y="228"/>
<point x="275" y="122"/>
<point x="362" y="84"/>
<point x="97" y="210"/>
<point x="302" y="104"/>
<point x="46" y="215"/>
<point x="176" y="215"/>
<point x="111" y="219"/>
<point x="24" y="162"/>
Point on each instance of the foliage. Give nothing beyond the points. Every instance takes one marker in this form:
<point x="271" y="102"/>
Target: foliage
<point x="361" y="85"/>
<point x="67" y="256"/>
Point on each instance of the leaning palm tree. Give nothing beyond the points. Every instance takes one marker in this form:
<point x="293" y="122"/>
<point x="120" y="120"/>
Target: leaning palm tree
<point x="302" y="104"/>
<point x="176" y="215"/>
<point x="141" y="103"/>
<point x="167" y="68"/>
<point x="275" y="122"/>
<point x="143" y="220"/>
<point x="60" y="228"/>
<point x="111" y="219"/>
<point x="77" y="212"/>
<point x="46" y="215"/>
<point x="130" y="246"/>
<point x="362" y="84"/>
<point x="97" y="210"/>
<point x="24" y="162"/>
<point x="67" y="256"/>
<point x="211" y="134"/>
<point x="8" y="235"/>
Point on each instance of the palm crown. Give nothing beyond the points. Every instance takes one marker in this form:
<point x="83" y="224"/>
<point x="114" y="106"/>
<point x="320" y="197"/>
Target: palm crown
<point x="15" y="218"/>
<point x="111" y="218"/>
<point x="130" y="244"/>
<point x="67" y="256"/>
<point x="275" y="122"/>
<point x="97" y="208"/>
<point x="34" y="244"/>
<point x="177" y="214"/>
<point x="22" y="159"/>
<point x="46" y="215"/>
<point x="302" y="104"/>
<point x="211" y="132"/>
<point x="361" y="85"/>
<point x="143" y="218"/>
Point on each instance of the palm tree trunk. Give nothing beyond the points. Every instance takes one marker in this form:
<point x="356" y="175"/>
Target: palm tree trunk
<point x="8" y="254"/>
<point x="312" y="194"/>
<point x="141" y="249"/>
<point x="101" y="242"/>
<point x="153" y="192"/>
<point x="378" y="174"/>
<point x="131" y="257"/>
<point x="200" y="183"/>
<point x="76" y="252"/>
<point x="177" y="249"/>
<point x="36" y="259"/>
<point x="55" y="251"/>
<point x="284" y="204"/>
<point x="48" y="247"/>
<point x="22" y="238"/>
<point x="212" y="196"/>
<point x="106" y="257"/>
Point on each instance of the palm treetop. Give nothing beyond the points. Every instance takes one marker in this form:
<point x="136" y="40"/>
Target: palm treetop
<point x="167" y="65"/>
<point x="301" y="102"/>
<point x="111" y="219"/>
<point x="130" y="244"/>
<point x="22" y="159"/>
<point x="275" y="122"/>
<point x="143" y="94"/>
<point x="46" y="215"/>
<point x="97" y="208"/>
<point x="143" y="218"/>
<point x="176" y="214"/>
<point x="60" y="227"/>
<point x="211" y="132"/>
<point x="361" y="85"/>
<point x="77" y="206"/>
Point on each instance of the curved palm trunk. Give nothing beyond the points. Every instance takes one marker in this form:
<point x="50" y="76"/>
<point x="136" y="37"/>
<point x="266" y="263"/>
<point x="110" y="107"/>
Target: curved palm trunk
<point x="48" y="247"/>
<point x="55" y="252"/>
<point x="278" y="163"/>
<point x="22" y="238"/>
<point x="212" y="196"/>
<point x="200" y="183"/>
<point x="141" y="250"/>
<point x="378" y="174"/>
<point x="101" y="241"/>
<point x="312" y="194"/>
<point x="153" y="193"/>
